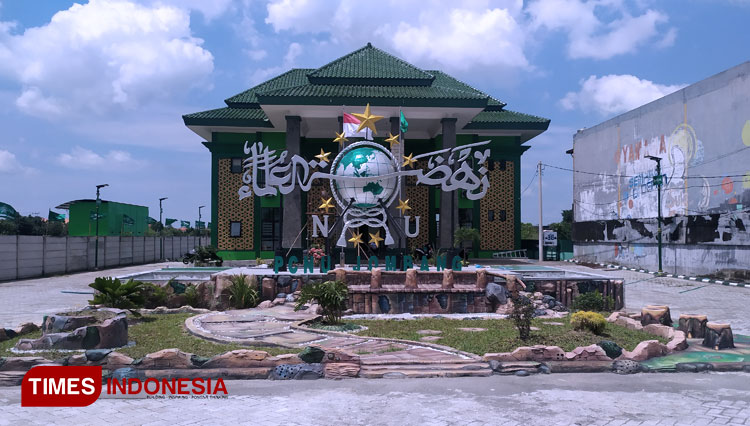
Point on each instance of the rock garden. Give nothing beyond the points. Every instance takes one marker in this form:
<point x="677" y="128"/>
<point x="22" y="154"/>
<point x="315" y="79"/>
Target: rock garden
<point x="238" y="327"/>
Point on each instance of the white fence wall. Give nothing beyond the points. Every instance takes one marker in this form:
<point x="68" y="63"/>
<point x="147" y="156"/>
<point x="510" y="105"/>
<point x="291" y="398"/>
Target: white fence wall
<point x="28" y="256"/>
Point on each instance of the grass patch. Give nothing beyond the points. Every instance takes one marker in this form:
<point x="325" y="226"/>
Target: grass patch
<point x="501" y="335"/>
<point x="345" y="326"/>
<point x="152" y="333"/>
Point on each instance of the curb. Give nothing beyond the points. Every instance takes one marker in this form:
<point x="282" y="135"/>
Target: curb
<point x="682" y="277"/>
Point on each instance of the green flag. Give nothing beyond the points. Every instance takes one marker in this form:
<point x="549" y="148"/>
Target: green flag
<point x="7" y="212"/>
<point x="402" y="123"/>
<point x="150" y="220"/>
<point x="55" y="217"/>
<point x="185" y="223"/>
<point x="169" y="221"/>
<point x="200" y="224"/>
<point x="127" y="220"/>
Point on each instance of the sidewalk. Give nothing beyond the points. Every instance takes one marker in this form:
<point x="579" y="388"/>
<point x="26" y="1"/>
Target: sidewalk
<point x="29" y="300"/>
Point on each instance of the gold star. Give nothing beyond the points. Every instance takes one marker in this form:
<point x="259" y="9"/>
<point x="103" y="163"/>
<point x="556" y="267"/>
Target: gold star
<point x="367" y="120"/>
<point x="375" y="238"/>
<point x="392" y="139"/>
<point x="323" y="156"/>
<point x="340" y="138"/>
<point x="409" y="160"/>
<point x="403" y="206"/>
<point x="356" y="238"/>
<point x="327" y="204"/>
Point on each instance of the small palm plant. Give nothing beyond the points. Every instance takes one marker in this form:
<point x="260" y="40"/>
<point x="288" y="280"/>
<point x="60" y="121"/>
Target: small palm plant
<point x="243" y="294"/>
<point x="112" y="293"/>
<point x="330" y="295"/>
<point x="464" y="234"/>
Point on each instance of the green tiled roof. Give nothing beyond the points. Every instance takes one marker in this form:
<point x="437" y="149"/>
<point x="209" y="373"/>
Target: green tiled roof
<point x="251" y="117"/>
<point x="372" y="65"/>
<point x="291" y="78"/>
<point x="507" y="119"/>
<point x="444" y="80"/>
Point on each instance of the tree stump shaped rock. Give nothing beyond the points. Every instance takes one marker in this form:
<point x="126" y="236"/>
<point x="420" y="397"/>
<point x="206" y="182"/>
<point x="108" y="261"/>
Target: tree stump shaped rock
<point x="694" y="326"/>
<point x="718" y="336"/>
<point x="656" y="314"/>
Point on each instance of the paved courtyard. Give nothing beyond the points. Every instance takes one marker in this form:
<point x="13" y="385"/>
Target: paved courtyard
<point x="29" y="300"/>
<point x="564" y="399"/>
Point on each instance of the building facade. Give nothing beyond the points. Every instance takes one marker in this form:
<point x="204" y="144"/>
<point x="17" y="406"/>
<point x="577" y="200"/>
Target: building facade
<point x="701" y="137"/>
<point x="300" y="111"/>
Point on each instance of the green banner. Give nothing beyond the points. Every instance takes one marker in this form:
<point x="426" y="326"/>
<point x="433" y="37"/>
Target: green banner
<point x="7" y="212"/>
<point x="185" y="223"/>
<point x="200" y="224"/>
<point x="403" y="125"/>
<point x="150" y="220"/>
<point x="55" y="217"/>
<point x="127" y="220"/>
<point x="169" y="221"/>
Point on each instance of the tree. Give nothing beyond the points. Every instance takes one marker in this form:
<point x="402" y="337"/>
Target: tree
<point x="529" y="231"/>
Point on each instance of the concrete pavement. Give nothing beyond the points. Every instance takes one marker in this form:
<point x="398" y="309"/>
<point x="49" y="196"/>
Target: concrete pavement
<point x="557" y="399"/>
<point x="29" y="300"/>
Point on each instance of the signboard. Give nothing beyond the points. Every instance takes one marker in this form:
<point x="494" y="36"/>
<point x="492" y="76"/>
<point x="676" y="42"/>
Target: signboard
<point x="550" y="238"/>
<point x="658" y="180"/>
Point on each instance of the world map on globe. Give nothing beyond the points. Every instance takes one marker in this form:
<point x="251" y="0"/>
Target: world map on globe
<point x="364" y="160"/>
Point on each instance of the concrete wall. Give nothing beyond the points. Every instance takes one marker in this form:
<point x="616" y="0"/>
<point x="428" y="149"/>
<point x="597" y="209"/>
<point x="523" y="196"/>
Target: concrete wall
<point x="24" y="256"/>
<point x="702" y="136"/>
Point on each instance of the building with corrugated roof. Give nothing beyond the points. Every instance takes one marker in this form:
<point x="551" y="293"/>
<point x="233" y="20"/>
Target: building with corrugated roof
<point x="300" y="110"/>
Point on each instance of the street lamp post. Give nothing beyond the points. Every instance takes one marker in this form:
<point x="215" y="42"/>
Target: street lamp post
<point x="161" y="229"/>
<point x="658" y="181"/>
<point x="199" y="221"/>
<point x="96" y="244"/>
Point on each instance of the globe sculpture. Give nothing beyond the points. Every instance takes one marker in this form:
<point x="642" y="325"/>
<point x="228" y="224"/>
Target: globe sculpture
<point x="361" y="160"/>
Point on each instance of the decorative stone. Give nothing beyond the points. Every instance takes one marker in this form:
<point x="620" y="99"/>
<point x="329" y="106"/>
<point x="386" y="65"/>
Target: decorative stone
<point x="587" y="353"/>
<point x="375" y="278"/>
<point x="660" y="330"/>
<point x="538" y="295"/>
<point x="410" y="280"/>
<point x="625" y="366"/>
<point x="448" y="278"/>
<point x="265" y="304"/>
<point x="498" y="357"/>
<point x="656" y="314"/>
<point x="95" y="355"/>
<point x="481" y="278"/>
<point x="694" y="326"/>
<point x="339" y="355"/>
<point x="496" y="294"/>
<point x="268" y="288"/>
<point x="240" y="358"/>
<point x="505" y="309"/>
<point x="165" y="358"/>
<point x="718" y="336"/>
<point x="628" y="323"/>
<point x="430" y="338"/>
<point x="612" y="349"/>
<point x="116" y="360"/>
<point x="6" y="334"/>
<point x="341" y="370"/>
<point x="427" y="332"/>
<point x="312" y="354"/>
<point x="285" y="359"/>
<point x="290" y="298"/>
<point x="538" y="353"/>
<point x="521" y="373"/>
<point x="613" y="316"/>
<point x="279" y="301"/>
<point x="127" y="373"/>
<point x="26" y="328"/>
<point x="678" y="343"/>
<point x="281" y="296"/>
<point x="472" y="329"/>
<point x="645" y="350"/>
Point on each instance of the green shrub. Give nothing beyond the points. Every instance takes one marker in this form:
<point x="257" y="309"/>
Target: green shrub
<point x="243" y="294"/>
<point x="207" y="254"/>
<point x="330" y="295"/>
<point x="522" y="313"/>
<point x="191" y="296"/>
<point x="593" y="301"/>
<point x="112" y="293"/>
<point x="591" y="321"/>
<point x="153" y="295"/>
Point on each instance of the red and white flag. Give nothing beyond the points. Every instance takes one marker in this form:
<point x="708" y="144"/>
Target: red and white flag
<point x="350" y="127"/>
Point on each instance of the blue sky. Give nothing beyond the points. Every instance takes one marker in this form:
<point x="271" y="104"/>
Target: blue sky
<point x="93" y="92"/>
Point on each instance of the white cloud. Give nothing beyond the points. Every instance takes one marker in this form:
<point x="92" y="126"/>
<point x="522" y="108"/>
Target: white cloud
<point x="210" y="9"/>
<point x="102" y="57"/>
<point x="9" y="164"/>
<point x="613" y="94"/>
<point x="591" y="37"/>
<point x="447" y="34"/>
<point x="82" y="158"/>
<point x="263" y="74"/>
